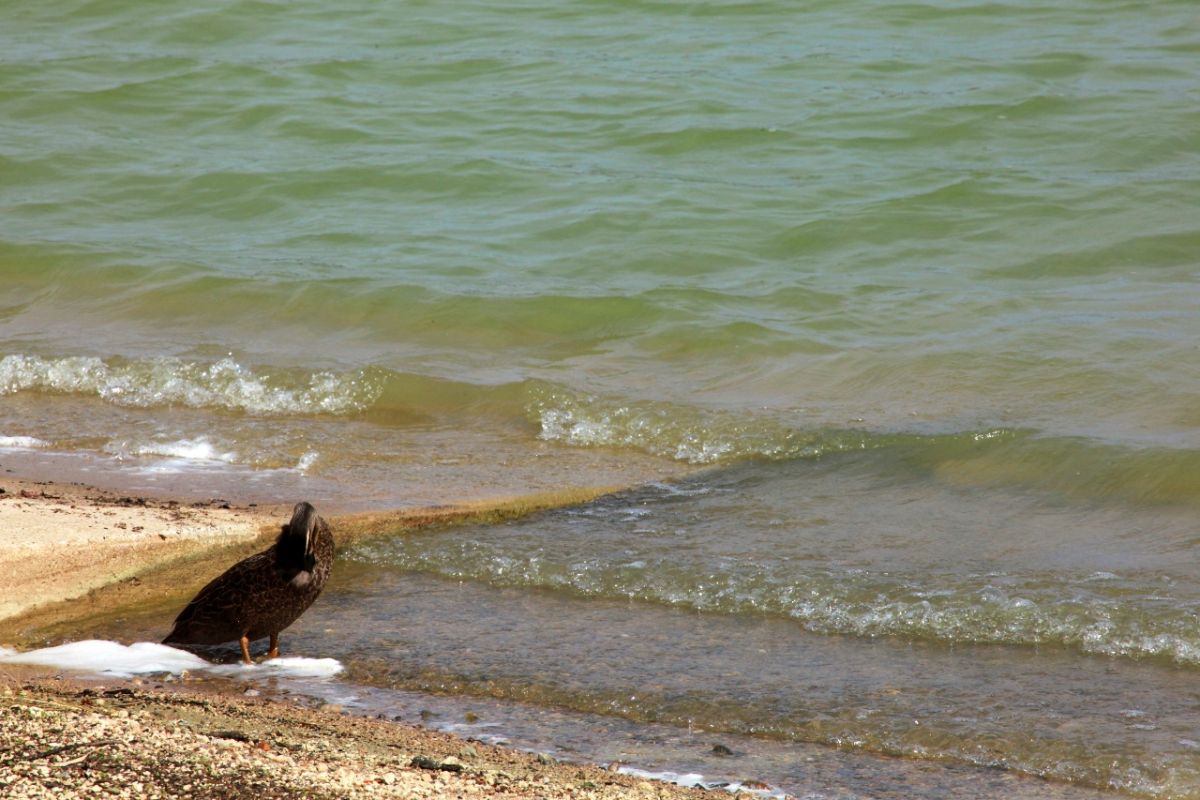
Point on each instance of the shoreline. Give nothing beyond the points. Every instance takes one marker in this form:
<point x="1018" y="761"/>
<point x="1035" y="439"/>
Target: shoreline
<point x="283" y="745"/>
<point x="83" y="551"/>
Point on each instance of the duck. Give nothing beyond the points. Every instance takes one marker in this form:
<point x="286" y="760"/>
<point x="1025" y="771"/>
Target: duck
<point x="262" y="595"/>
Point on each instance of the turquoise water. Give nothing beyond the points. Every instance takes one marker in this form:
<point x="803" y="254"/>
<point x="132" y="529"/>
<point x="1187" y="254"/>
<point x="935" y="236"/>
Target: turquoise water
<point x="895" y="303"/>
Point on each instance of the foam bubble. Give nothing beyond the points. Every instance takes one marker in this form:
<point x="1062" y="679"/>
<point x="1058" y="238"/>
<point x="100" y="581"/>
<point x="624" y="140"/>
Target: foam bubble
<point x="188" y="449"/>
<point x="110" y="658"/>
<point x="166" y="381"/>
<point x="288" y="667"/>
<point x="696" y="780"/>
<point x="141" y="658"/>
<point x="22" y="442"/>
<point x="681" y="433"/>
<point x="307" y="460"/>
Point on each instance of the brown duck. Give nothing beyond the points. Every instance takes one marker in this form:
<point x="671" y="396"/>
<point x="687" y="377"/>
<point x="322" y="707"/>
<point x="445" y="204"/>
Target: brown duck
<point x="263" y="594"/>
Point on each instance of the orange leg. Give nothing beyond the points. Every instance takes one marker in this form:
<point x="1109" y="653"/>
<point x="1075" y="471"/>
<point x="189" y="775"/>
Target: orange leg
<point x="274" y="646"/>
<point x="245" y="642"/>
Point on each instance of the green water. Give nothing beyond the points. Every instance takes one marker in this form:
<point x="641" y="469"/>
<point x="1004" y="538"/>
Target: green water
<point x="843" y="211"/>
<point x="914" y="286"/>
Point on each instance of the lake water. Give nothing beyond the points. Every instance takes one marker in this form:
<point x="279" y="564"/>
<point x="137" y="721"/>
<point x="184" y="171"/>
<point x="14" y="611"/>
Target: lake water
<point x="888" y="313"/>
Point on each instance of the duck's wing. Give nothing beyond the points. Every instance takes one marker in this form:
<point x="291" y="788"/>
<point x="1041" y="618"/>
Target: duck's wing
<point x="220" y="609"/>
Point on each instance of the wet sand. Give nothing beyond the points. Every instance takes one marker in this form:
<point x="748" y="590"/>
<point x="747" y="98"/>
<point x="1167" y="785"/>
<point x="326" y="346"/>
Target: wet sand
<point x="101" y="549"/>
<point x="63" y="540"/>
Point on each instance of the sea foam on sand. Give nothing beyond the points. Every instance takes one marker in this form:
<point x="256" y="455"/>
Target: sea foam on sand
<point x="141" y="658"/>
<point x="697" y="780"/>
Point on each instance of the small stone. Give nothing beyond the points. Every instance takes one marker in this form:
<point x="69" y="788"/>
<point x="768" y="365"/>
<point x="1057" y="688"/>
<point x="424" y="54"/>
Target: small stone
<point x="545" y="758"/>
<point x="389" y="778"/>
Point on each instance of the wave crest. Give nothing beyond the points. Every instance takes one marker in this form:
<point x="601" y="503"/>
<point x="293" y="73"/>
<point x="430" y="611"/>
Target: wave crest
<point x="683" y="434"/>
<point x="1028" y="610"/>
<point x="172" y="381"/>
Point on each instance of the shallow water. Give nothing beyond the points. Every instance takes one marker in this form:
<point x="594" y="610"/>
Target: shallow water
<point x="1021" y="630"/>
<point x="890" y="307"/>
<point x="1029" y="632"/>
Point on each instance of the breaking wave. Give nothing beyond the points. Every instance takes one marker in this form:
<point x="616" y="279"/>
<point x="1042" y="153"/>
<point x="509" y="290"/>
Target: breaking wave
<point x="1096" y="614"/>
<point x="172" y="381"/>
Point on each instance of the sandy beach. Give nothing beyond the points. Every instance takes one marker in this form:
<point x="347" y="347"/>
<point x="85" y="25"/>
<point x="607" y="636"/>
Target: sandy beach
<point x="64" y="540"/>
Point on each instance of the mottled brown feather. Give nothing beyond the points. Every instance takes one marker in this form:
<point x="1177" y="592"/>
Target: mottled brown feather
<point x="263" y="594"/>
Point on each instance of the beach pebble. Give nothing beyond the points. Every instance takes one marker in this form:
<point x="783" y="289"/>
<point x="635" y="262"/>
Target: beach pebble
<point x="189" y="744"/>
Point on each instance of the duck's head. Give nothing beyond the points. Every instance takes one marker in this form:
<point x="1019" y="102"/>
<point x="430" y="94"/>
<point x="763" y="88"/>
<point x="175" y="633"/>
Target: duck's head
<point x="298" y="538"/>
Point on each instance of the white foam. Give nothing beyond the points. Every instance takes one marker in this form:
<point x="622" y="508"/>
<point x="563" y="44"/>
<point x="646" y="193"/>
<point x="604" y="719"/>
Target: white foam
<point x="141" y="658"/>
<point x="593" y="423"/>
<point x="287" y="667"/>
<point x="166" y="381"/>
<point x="680" y="491"/>
<point x="110" y="658"/>
<point x="307" y="460"/>
<point x="187" y="449"/>
<point x="21" y="443"/>
<point x="177" y="456"/>
<point x="679" y="778"/>
<point x="692" y="779"/>
<point x="1103" y="576"/>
